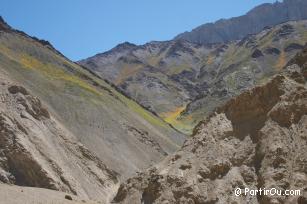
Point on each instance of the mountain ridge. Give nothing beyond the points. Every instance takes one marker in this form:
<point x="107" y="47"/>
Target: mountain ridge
<point x="101" y="129"/>
<point x="264" y="15"/>
<point x="175" y="79"/>
<point x="124" y="136"/>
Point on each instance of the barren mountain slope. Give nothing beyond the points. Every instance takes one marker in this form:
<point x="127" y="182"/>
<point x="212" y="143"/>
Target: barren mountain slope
<point x="183" y="82"/>
<point x="36" y="150"/>
<point x="256" y="140"/>
<point x="121" y="133"/>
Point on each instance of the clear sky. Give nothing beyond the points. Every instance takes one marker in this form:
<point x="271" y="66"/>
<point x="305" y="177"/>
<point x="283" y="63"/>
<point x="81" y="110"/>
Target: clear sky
<point x="82" y="28"/>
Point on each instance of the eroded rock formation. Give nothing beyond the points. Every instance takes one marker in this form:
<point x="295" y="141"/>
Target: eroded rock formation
<point x="256" y="140"/>
<point x="36" y="150"/>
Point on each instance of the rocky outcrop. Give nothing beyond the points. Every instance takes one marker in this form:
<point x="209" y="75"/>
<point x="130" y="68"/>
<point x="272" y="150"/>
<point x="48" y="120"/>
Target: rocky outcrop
<point x="37" y="151"/>
<point x="254" y="21"/>
<point x="256" y="140"/>
<point x="3" y="25"/>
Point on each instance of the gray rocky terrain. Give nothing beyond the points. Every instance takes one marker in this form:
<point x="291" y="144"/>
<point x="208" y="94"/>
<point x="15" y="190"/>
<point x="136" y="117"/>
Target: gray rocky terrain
<point x="256" y="140"/>
<point x="64" y="128"/>
<point x="113" y="128"/>
<point x="252" y="22"/>
<point x="183" y="82"/>
<point x="36" y="150"/>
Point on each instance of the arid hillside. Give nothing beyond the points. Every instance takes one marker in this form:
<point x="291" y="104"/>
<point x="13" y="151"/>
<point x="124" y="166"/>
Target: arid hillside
<point x="256" y="140"/>
<point x="64" y="128"/>
<point x="184" y="82"/>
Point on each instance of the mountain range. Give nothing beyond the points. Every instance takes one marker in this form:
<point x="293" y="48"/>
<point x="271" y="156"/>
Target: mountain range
<point x="252" y="22"/>
<point x="187" y="120"/>
<point x="182" y="82"/>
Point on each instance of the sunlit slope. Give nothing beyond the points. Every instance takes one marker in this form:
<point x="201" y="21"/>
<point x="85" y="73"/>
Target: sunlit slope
<point x="246" y="63"/>
<point x="123" y="134"/>
<point x="183" y="82"/>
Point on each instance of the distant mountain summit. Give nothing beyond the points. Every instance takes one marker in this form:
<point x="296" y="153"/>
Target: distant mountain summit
<point x="252" y="22"/>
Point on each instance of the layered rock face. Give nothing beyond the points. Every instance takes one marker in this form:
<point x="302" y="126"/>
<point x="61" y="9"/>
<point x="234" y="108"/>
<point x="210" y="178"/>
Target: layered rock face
<point x="256" y="140"/>
<point x="183" y="82"/>
<point x="36" y="150"/>
<point x="252" y="22"/>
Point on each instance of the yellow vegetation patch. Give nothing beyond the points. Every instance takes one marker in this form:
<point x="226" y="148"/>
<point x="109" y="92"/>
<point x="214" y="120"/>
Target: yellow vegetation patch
<point x="5" y="50"/>
<point x="172" y="118"/>
<point x="210" y="60"/>
<point x="281" y="62"/>
<point x="53" y="71"/>
<point x="31" y="62"/>
<point x="48" y="69"/>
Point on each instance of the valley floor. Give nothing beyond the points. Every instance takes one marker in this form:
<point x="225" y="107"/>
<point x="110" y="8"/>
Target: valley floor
<point x="11" y="194"/>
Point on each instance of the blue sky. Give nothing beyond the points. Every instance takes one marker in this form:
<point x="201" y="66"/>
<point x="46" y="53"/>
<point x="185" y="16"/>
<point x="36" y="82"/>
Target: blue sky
<point x="82" y="28"/>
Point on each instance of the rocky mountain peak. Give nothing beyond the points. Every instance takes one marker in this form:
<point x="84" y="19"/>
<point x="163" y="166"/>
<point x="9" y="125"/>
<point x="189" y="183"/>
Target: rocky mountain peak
<point x="3" y="25"/>
<point x="124" y="46"/>
<point x="252" y="22"/>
